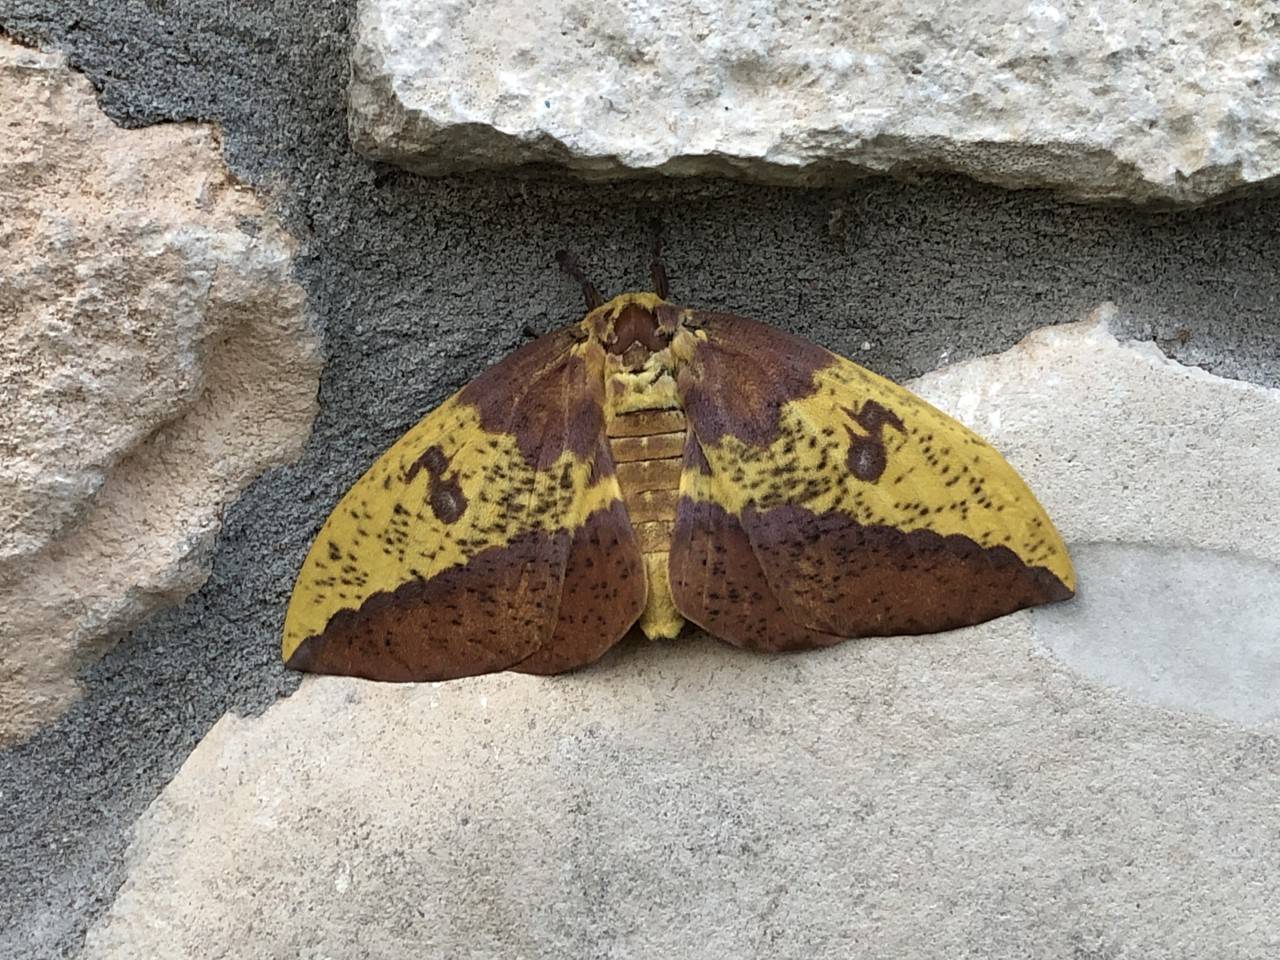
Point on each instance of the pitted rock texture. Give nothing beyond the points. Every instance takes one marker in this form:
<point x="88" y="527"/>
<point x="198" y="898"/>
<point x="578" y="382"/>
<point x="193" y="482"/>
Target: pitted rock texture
<point x="1172" y="101"/>
<point x="966" y="793"/>
<point x="153" y="360"/>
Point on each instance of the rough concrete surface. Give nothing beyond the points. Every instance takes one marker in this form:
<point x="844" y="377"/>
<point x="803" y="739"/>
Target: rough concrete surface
<point x="1183" y="628"/>
<point x="416" y="285"/>
<point x="1171" y="101"/>
<point x="154" y="359"/>
<point x="962" y="794"/>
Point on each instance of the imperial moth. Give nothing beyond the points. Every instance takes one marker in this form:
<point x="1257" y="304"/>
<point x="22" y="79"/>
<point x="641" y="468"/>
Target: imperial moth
<point x="655" y="464"/>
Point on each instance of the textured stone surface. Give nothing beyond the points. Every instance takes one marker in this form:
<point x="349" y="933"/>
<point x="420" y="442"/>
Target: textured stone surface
<point x="1122" y="443"/>
<point x="153" y="360"/>
<point x="1183" y="628"/>
<point x="959" y="794"/>
<point x="1172" y="101"/>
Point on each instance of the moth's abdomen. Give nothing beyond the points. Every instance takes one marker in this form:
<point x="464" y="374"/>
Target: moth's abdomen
<point x="647" y="448"/>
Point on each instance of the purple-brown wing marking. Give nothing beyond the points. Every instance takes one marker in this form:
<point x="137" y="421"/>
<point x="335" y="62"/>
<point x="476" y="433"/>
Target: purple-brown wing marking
<point x="776" y="575"/>
<point x="486" y="615"/>
<point x="867" y="457"/>
<point x="545" y="600"/>
<point x="744" y="372"/>
<point x="602" y="594"/>
<point x="833" y="574"/>
<point x="718" y="583"/>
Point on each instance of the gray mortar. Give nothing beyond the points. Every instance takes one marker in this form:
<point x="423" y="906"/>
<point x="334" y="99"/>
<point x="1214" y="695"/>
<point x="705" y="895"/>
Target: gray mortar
<point x="417" y="285"/>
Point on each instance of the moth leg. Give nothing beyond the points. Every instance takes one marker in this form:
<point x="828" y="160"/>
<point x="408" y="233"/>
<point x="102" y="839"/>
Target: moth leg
<point x="569" y="265"/>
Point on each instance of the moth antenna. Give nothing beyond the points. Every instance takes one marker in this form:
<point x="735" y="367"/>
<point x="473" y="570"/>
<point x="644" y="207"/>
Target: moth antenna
<point x="661" y="284"/>
<point x="569" y="265"/>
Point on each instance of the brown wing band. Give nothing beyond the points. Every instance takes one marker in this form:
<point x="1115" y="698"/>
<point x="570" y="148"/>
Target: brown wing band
<point x="478" y="617"/>
<point x="835" y="575"/>
<point x="718" y="584"/>
<point x="543" y="603"/>
<point x="602" y="596"/>
<point x="788" y="579"/>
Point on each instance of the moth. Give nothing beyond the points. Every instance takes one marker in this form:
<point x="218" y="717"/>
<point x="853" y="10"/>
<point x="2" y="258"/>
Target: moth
<point x="656" y="464"/>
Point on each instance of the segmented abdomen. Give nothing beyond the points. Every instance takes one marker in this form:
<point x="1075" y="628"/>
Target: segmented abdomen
<point x="647" y="447"/>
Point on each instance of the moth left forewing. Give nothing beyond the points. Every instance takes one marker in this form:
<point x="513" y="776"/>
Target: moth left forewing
<point x="451" y="555"/>
<point x="399" y="522"/>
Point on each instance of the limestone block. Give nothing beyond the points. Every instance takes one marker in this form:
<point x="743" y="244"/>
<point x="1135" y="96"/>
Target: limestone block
<point x="153" y="360"/>
<point x="984" y="792"/>
<point x="1169" y="101"/>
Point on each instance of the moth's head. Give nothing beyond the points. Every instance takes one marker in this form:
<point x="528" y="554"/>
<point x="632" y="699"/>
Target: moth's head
<point x="633" y="326"/>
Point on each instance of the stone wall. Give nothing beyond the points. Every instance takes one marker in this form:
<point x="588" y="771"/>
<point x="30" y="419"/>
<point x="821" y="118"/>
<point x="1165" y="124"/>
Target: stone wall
<point x="1163" y="102"/>
<point x="203" y="201"/>
<point x="155" y="359"/>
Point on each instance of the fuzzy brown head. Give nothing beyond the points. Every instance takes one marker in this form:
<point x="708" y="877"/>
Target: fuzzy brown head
<point x="634" y="326"/>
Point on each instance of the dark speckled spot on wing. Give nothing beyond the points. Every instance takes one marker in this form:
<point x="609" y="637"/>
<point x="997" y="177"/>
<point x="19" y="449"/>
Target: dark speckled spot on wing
<point x="602" y="596"/>
<point x="867" y="457"/>
<point x="718" y="584"/>
<point x="445" y="497"/>
<point x="834" y="575"/>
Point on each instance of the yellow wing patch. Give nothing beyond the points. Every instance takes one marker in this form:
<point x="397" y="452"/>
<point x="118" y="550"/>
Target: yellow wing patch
<point x="442" y="493"/>
<point x="863" y="446"/>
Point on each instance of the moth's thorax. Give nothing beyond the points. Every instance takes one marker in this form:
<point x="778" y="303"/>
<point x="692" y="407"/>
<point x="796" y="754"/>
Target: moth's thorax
<point x="645" y="340"/>
<point x="637" y="335"/>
